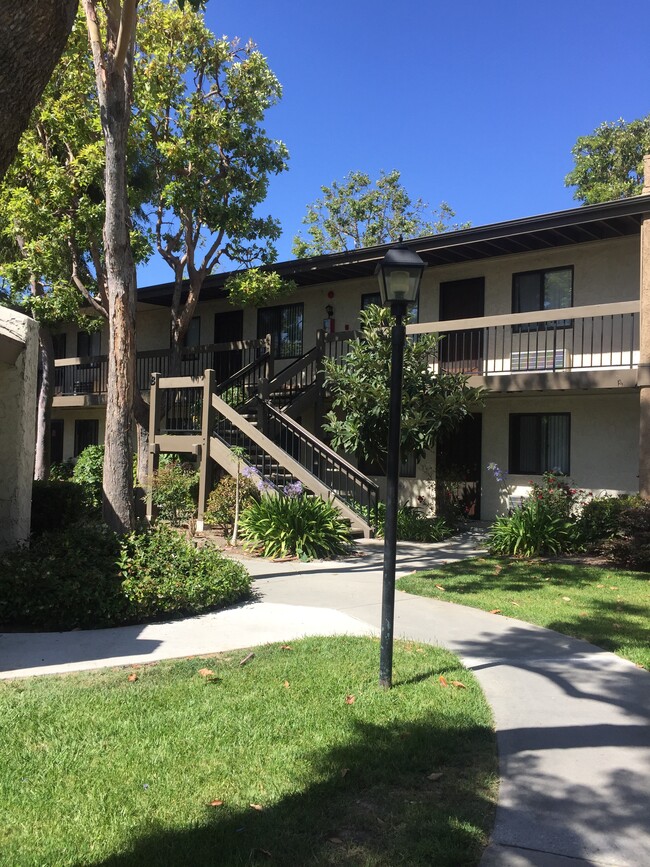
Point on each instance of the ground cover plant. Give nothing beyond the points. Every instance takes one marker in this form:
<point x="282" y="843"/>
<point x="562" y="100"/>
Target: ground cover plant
<point x="87" y="576"/>
<point x="607" y="606"/>
<point x="295" y="757"/>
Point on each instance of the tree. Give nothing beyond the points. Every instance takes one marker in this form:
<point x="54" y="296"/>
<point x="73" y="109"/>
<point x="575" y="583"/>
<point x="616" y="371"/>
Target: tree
<point x="609" y="162"/>
<point x="33" y="34"/>
<point x="432" y="404"/>
<point x="360" y="213"/>
<point x="200" y="101"/>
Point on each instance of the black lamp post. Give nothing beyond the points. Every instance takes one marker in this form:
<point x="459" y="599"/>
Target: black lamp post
<point x="399" y="274"/>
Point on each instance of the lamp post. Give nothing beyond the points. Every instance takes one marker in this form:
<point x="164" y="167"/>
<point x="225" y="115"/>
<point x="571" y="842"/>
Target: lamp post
<point x="399" y="274"/>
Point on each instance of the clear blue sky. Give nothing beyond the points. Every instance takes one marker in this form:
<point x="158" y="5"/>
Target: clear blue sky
<point x="476" y="103"/>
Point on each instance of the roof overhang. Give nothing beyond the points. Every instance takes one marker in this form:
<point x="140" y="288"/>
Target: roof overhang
<point x="616" y="219"/>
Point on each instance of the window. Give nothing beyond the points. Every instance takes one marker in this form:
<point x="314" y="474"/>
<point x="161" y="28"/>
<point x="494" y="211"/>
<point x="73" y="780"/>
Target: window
<point x="58" y="343"/>
<point x="284" y="324"/>
<point x="86" y="433"/>
<point x="539" y="443"/>
<point x="375" y="298"/>
<point x="542" y="290"/>
<point x="193" y="333"/>
<point x="88" y="343"/>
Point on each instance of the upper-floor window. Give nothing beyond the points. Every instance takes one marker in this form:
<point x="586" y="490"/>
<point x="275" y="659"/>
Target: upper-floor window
<point x="88" y="343"/>
<point x="58" y="344"/>
<point x="539" y="443"/>
<point x="284" y="324"/>
<point x="547" y="289"/>
<point x="369" y="298"/>
<point x="193" y="333"/>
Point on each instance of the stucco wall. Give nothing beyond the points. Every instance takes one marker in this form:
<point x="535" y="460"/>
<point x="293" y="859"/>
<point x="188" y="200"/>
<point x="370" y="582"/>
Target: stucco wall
<point x="604" y="447"/>
<point x="17" y="427"/>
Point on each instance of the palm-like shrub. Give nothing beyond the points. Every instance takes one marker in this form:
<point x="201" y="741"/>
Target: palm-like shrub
<point x="305" y="526"/>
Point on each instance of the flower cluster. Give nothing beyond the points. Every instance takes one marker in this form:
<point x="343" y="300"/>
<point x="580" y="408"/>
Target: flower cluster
<point x="497" y="472"/>
<point x="293" y="489"/>
<point x="255" y="476"/>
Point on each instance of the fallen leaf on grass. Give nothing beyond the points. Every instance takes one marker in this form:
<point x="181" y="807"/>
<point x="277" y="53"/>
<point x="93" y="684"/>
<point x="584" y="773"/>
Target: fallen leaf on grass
<point x="443" y="680"/>
<point x="512" y="602"/>
<point x="257" y="807"/>
<point x="286" y="647"/>
<point x="458" y="684"/>
<point x="613" y="588"/>
<point x="336" y="840"/>
<point x="216" y="803"/>
<point x="495" y="611"/>
<point x="435" y="776"/>
<point x="350" y="699"/>
<point x="132" y="677"/>
<point x="205" y="672"/>
<point x="246" y="659"/>
<point x="286" y="684"/>
<point x="440" y="587"/>
<point x="583" y="614"/>
<point x="566" y="598"/>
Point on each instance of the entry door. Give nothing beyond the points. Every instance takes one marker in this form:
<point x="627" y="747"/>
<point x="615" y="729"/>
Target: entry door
<point x="462" y="351"/>
<point x="56" y="441"/>
<point x="228" y="328"/>
<point x="458" y="468"/>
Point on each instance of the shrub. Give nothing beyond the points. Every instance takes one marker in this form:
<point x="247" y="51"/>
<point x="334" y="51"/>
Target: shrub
<point x="55" y="505"/>
<point x="412" y="526"/>
<point x="89" y="577"/>
<point x="61" y="472"/>
<point x="545" y="523"/>
<point x="305" y="526"/>
<point x="88" y="472"/>
<point x="600" y="519"/>
<point x="220" y="510"/>
<point x="631" y="545"/>
<point x="163" y="573"/>
<point x="174" y="491"/>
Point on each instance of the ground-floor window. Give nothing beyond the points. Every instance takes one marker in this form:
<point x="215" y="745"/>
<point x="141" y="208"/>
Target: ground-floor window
<point x="86" y="433"/>
<point x="539" y="442"/>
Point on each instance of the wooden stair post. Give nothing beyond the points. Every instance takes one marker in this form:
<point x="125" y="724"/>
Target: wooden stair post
<point x="205" y="463"/>
<point x="154" y="448"/>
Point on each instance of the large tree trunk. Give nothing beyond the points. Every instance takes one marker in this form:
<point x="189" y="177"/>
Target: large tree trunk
<point x="44" y="407"/>
<point x="118" y="505"/>
<point x="33" y="34"/>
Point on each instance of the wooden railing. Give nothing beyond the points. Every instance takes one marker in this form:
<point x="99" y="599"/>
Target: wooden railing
<point x="77" y="376"/>
<point x="595" y="337"/>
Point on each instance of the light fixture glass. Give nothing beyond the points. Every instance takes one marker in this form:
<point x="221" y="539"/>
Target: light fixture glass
<point x="399" y="274"/>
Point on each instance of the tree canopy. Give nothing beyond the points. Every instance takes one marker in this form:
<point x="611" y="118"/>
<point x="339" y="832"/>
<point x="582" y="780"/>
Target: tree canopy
<point x="358" y="212"/>
<point x="433" y="403"/>
<point x="608" y="163"/>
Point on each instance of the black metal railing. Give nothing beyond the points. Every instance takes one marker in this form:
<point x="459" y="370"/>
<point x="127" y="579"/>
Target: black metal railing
<point x="88" y="376"/>
<point x="242" y="386"/>
<point x="181" y="410"/>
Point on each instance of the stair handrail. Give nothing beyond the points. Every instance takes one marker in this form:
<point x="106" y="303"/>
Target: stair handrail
<point x="232" y="380"/>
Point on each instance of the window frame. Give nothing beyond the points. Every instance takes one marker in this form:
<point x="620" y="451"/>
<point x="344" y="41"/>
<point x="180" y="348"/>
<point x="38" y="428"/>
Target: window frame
<point x="276" y="312"/>
<point x="551" y="324"/>
<point x="514" y="440"/>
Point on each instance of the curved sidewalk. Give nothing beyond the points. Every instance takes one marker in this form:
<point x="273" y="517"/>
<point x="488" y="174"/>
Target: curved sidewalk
<point x="572" y="721"/>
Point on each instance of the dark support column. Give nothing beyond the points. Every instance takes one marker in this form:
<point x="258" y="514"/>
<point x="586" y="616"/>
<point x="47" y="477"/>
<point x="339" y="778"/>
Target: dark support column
<point x="392" y="482"/>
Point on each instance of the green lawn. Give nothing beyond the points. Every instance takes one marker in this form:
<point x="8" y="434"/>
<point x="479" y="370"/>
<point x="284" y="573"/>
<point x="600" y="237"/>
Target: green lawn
<point x="313" y="762"/>
<point x="608" y="607"/>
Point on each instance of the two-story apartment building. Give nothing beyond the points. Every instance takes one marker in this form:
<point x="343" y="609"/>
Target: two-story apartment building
<point x="548" y="313"/>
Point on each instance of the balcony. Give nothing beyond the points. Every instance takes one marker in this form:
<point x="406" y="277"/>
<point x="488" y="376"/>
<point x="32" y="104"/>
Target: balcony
<point x="597" y="347"/>
<point x="83" y="381"/>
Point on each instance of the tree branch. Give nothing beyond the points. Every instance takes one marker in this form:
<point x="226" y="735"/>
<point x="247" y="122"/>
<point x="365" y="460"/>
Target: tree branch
<point x="125" y="33"/>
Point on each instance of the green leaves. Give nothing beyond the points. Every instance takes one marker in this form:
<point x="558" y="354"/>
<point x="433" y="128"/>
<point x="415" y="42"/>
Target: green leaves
<point x="359" y="383"/>
<point x="360" y="213"/>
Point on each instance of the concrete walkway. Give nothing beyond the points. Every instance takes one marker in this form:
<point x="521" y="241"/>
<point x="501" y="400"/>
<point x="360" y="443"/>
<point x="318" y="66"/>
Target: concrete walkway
<point x="572" y="721"/>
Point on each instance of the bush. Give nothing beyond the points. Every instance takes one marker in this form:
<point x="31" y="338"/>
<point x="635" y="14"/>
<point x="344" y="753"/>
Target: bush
<point x="88" y="472"/>
<point x="174" y="491"/>
<point x="631" y="545"/>
<point x="545" y="523"/>
<point x="220" y="510"/>
<point x="163" y="573"/>
<point x="61" y="472"/>
<point x="600" y="519"/>
<point x="304" y="526"/>
<point x="412" y="526"/>
<point x="89" y="577"/>
<point x="55" y="505"/>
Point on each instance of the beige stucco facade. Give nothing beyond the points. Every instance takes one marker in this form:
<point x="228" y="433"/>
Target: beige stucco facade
<point x="18" y="372"/>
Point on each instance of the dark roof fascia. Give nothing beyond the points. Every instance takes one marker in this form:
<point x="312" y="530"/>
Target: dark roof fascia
<point x="359" y="263"/>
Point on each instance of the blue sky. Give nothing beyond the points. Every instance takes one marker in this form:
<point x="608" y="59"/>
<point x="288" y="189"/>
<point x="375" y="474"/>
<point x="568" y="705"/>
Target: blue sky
<point x="476" y="103"/>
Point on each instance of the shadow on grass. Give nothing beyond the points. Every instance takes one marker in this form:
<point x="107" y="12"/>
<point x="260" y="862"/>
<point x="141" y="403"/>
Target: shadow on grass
<point x="372" y="803"/>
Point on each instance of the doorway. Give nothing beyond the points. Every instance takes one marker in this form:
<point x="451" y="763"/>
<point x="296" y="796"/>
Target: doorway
<point x="228" y="328"/>
<point x="462" y="351"/>
<point x="458" y="469"/>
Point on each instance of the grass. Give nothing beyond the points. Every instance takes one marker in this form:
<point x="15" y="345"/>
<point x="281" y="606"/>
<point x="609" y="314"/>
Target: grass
<point x="314" y="763"/>
<point x="608" y="607"/>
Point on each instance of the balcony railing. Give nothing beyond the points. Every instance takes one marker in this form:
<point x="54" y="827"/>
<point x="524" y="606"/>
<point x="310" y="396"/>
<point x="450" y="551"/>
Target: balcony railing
<point x="594" y="338"/>
<point x="80" y="376"/>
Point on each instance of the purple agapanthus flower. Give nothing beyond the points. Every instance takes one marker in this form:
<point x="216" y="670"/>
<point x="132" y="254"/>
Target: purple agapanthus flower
<point x="497" y="472"/>
<point x="293" y="489"/>
<point x="249" y="471"/>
